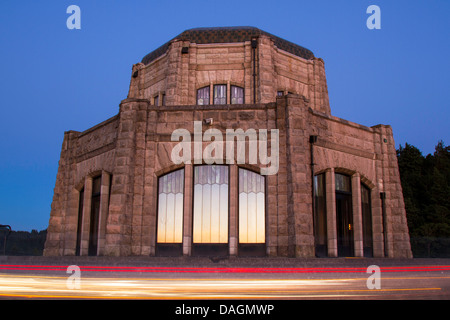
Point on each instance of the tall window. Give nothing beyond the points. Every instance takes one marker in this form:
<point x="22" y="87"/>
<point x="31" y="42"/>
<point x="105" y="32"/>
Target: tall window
<point x="320" y="216"/>
<point x="210" y="204"/>
<point x="95" y="215"/>
<point x="220" y="94"/>
<point x="366" y="221"/>
<point x="80" y="221"/>
<point x="237" y="95"/>
<point x="203" y="96"/>
<point x="170" y="207"/>
<point x="344" y="215"/>
<point x="251" y="207"/>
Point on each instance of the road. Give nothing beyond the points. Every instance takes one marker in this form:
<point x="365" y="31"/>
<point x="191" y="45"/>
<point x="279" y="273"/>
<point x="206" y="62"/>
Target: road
<point x="327" y="280"/>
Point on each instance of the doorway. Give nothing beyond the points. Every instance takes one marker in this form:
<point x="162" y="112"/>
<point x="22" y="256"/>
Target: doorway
<point x="344" y="215"/>
<point x="344" y="223"/>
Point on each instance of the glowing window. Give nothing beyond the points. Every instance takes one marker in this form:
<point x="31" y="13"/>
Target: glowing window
<point x="251" y="207"/>
<point x="170" y="207"/>
<point x="210" y="204"/>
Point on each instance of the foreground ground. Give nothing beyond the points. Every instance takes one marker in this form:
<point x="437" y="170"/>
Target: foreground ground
<point x="224" y="279"/>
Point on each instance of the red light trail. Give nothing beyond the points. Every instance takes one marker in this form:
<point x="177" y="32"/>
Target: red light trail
<point x="220" y="270"/>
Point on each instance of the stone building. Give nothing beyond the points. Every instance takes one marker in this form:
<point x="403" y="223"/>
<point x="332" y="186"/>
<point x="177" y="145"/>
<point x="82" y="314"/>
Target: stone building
<point x="335" y="189"/>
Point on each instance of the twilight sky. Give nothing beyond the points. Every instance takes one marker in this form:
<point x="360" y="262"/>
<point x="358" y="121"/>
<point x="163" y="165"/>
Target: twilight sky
<point x="53" y="79"/>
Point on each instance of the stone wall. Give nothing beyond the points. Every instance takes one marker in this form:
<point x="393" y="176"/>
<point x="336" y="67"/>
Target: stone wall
<point x="178" y="75"/>
<point x="134" y="148"/>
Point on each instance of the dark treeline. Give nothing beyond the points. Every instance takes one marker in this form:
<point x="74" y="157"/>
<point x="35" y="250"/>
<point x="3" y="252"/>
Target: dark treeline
<point x="23" y="243"/>
<point x="426" y="191"/>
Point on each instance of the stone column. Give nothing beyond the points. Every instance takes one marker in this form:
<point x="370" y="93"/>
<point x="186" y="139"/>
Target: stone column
<point x="233" y="237"/>
<point x="61" y="231"/>
<point x="281" y="183"/>
<point x="272" y="216"/>
<point x="377" y="223"/>
<point x="187" y="210"/>
<point x="85" y="225"/>
<point x="104" y="206"/>
<point x="123" y="229"/>
<point x="357" y="216"/>
<point x="331" y="212"/>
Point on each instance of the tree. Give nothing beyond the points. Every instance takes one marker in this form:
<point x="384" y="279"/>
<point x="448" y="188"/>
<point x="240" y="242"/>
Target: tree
<point x="426" y="191"/>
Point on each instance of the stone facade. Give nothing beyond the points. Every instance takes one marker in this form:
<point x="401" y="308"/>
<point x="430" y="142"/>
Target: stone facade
<point x="284" y="88"/>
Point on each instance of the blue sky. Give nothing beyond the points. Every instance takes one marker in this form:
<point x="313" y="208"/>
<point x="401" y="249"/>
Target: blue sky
<point x="54" y="79"/>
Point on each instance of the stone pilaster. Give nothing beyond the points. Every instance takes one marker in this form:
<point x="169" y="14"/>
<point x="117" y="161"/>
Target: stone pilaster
<point x="330" y="189"/>
<point x="104" y="205"/>
<point x="86" y="217"/>
<point x="357" y="215"/>
<point x="123" y="229"/>
<point x="188" y="209"/>
<point x="59" y="223"/>
<point x="299" y="185"/>
<point x="233" y="237"/>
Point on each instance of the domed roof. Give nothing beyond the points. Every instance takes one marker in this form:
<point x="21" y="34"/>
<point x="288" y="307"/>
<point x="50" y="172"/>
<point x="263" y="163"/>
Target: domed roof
<point x="228" y="35"/>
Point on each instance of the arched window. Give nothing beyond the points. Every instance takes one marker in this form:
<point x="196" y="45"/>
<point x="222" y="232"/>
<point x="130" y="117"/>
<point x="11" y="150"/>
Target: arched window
<point x="170" y="207"/>
<point x="237" y="95"/>
<point x="203" y="96"/>
<point x="252" y="214"/>
<point x="251" y="207"/>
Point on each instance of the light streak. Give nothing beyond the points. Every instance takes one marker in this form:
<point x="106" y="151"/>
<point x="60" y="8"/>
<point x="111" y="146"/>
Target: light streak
<point x="108" y="288"/>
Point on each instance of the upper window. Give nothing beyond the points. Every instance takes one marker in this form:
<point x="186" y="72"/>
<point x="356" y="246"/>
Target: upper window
<point x="220" y="94"/>
<point x="237" y="95"/>
<point x="203" y="96"/>
<point x="343" y="183"/>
